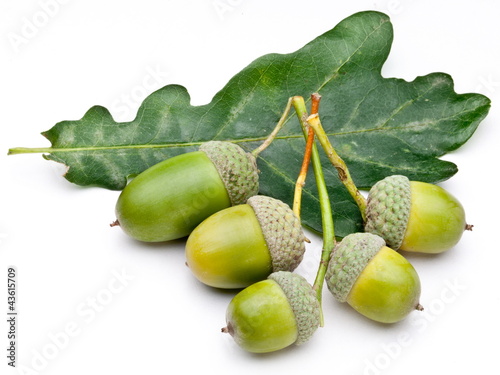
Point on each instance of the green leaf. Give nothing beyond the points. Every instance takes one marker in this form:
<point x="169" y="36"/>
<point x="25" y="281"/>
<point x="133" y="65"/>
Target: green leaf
<point x="379" y="126"/>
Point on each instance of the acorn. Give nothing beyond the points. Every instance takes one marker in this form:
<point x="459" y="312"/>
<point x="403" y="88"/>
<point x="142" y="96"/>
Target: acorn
<point x="243" y="244"/>
<point x="414" y="216"/>
<point x="374" y="279"/>
<point x="168" y="200"/>
<point x="273" y="314"/>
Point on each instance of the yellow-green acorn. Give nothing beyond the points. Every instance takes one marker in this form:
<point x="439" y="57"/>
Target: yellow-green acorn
<point x="243" y="244"/>
<point x="168" y="200"/>
<point x="374" y="279"/>
<point x="414" y="216"/>
<point x="273" y="314"/>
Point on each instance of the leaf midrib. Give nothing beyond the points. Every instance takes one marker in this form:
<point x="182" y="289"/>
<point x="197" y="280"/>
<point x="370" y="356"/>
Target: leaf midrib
<point x="19" y="150"/>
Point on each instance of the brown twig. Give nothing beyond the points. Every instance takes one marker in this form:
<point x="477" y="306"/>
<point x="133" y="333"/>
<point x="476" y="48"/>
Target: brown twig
<point x="301" y="180"/>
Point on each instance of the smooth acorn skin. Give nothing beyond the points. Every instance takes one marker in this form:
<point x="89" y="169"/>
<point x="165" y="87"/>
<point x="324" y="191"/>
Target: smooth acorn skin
<point x="228" y="249"/>
<point x="260" y="319"/>
<point x="388" y="289"/>
<point x="374" y="279"/>
<point x="168" y="200"/>
<point x="243" y="244"/>
<point x="273" y="314"/>
<point x="436" y="222"/>
<point x="414" y="216"/>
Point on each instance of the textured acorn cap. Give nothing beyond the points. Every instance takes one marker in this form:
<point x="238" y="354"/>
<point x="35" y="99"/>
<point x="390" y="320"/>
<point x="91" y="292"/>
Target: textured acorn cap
<point x="303" y="301"/>
<point x="282" y="231"/>
<point x="237" y="169"/>
<point x="388" y="209"/>
<point x="348" y="260"/>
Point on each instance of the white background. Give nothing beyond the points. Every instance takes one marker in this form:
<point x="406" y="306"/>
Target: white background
<point x="156" y="317"/>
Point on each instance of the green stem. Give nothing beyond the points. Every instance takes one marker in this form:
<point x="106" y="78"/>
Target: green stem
<point x="276" y="130"/>
<point x="325" y="206"/>
<point x="25" y="150"/>
<point x="338" y="163"/>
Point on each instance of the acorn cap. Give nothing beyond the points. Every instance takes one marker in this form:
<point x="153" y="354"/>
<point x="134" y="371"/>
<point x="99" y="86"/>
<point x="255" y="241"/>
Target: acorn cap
<point x="388" y="209"/>
<point x="237" y="169"/>
<point x="282" y="231"/>
<point x="303" y="301"/>
<point x="348" y="260"/>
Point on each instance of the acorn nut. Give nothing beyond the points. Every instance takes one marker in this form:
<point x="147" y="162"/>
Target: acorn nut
<point x="243" y="244"/>
<point x="273" y="314"/>
<point x="414" y="216"/>
<point x="374" y="279"/>
<point x="168" y="200"/>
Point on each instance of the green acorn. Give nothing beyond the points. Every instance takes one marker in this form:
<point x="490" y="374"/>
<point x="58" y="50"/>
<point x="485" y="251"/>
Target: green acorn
<point x="168" y="200"/>
<point x="375" y="280"/>
<point x="273" y="314"/>
<point x="414" y="216"/>
<point x="243" y="244"/>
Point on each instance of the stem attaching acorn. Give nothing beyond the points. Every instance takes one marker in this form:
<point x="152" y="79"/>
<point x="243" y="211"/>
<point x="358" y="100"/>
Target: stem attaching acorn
<point x="414" y="216"/>
<point x="168" y="200"/>
<point x="273" y="314"/>
<point x="243" y="244"/>
<point x="374" y="279"/>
